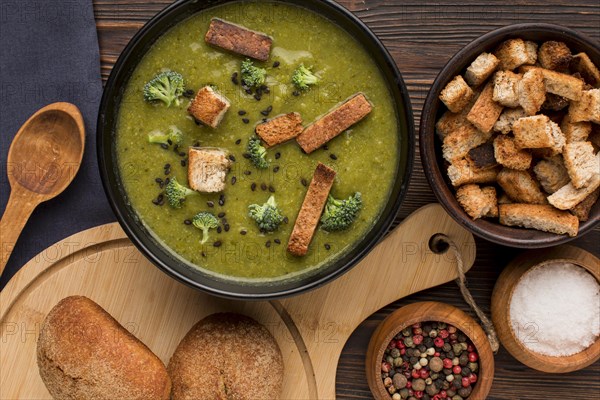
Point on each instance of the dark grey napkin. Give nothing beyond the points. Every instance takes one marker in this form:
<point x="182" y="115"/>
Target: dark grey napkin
<point x="49" y="53"/>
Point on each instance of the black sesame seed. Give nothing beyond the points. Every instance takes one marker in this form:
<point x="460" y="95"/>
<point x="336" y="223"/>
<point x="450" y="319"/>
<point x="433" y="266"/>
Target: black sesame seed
<point x="264" y="120"/>
<point x="161" y="202"/>
<point x="158" y="180"/>
<point x="167" y="166"/>
<point x="268" y="243"/>
<point x="196" y="143"/>
<point x="270" y="108"/>
<point x="253" y="187"/>
<point x="187" y="222"/>
<point x="259" y="91"/>
<point x="249" y="91"/>
<point x="234" y="78"/>
<point x="226" y="227"/>
<point x="245" y="120"/>
<point x="219" y="229"/>
<point x="203" y="254"/>
<point x="182" y="154"/>
<point x="277" y="241"/>
<point x="233" y="180"/>
<point x="276" y="168"/>
<point x="243" y="232"/>
<point x="164" y="146"/>
<point x="167" y="171"/>
<point x="277" y="155"/>
<point x="286" y="220"/>
<point x="210" y="203"/>
<point x="197" y="122"/>
<point x="238" y="141"/>
<point x="183" y="163"/>
<point x="276" y="64"/>
<point x="221" y="214"/>
<point x="217" y="243"/>
<point x="304" y="182"/>
<point x="155" y="202"/>
<point x="188" y="93"/>
<point x="257" y="97"/>
<point x="247" y="172"/>
<point x="170" y="142"/>
<point x="246" y="156"/>
<point x="232" y="157"/>
<point x="167" y="181"/>
<point x="296" y="93"/>
<point x="267" y="90"/>
<point x="263" y="186"/>
<point x="221" y="199"/>
<point x="333" y="156"/>
<point x="327" y="246"/>
<point x="264" y="112"/>
<point x="242" y="112"/>
<point x="271" y="189"/>
<point x="160" y="197"/>
<point x="325" y="147"/>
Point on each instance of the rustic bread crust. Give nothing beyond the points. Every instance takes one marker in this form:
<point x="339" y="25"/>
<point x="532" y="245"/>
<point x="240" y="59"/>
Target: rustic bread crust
<point x="485" y="111"/>
<point x="513" y="53"/>
<point x="520" y="186"/>
<point x="582" y="210"/>
<point x="482" y="157"/>
<point x="311" y="210"/>
<point x="554" y="55"/>
<point x="587" y="108"/>
<point x="280" y="129"/>
<point x="84" y="353"/>
<point x="238" y="39"/>
<point x="580" y="162"/>
<point x="531" y="91"/>
<point x="334" y="122"/>
<point x="481" y="68"/>
<point x="227" y="356"/>
<point x="541" y="217"/>
<point x="478" y="202"/>
<point x="209" y="107"/>
<point x="562" y="84"/>
<point x="457" y="94"/>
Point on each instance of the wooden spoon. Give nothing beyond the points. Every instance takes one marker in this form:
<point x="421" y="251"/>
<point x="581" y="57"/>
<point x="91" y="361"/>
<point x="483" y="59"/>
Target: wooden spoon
<point x="43" y="159"/>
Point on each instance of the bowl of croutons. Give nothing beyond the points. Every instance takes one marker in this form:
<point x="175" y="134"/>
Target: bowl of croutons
<point x="510" y="135"/>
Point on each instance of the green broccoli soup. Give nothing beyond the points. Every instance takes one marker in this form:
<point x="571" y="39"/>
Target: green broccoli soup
<point x="221" y="232"/>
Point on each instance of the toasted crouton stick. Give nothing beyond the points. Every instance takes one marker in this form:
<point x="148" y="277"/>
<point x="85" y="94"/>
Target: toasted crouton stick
<point x="237" y="39"/>
<point x="280" y="129"/>
<point x="542" y="217"/>
<point x="334" y="122"/>
<point x="311" y="210"/>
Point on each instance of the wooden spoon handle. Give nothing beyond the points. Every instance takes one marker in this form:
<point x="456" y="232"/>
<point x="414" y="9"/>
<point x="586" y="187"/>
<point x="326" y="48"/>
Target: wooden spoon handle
<point x="20" y="206"/>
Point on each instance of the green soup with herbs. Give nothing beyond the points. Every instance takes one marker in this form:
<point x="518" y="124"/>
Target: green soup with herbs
<point x="364" y="157"/>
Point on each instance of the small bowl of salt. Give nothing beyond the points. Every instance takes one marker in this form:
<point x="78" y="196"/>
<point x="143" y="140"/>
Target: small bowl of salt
<point x="546" y="309"/>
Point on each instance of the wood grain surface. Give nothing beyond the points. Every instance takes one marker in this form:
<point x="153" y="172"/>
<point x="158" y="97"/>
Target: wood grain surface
<point x="422" y="36"/>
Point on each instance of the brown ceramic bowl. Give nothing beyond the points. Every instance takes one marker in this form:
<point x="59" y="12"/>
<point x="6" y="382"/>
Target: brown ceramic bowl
<point x="502" y="296"/>
<point x="431" y="146"/>
<point x="423" y="312"/>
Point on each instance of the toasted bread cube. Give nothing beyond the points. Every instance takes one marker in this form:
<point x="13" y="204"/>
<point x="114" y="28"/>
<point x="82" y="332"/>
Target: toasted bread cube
<point x="450" y="122"/>
<point x="458" y="143"/>
<point x="569" y="196"/>
<point x="507" y="154"/>
<point x="482" y="157"/>
<point x="580" y="162"/>
<point x="280" y="129"/>
<point x="310" y="212"/>
<point x="207" y="169"/>
<point x="506" y="90"/>
<point x="541" y="217"/>
<point x="554" y="55"/>
<point x="478" y="202"/>
<point x="238" y="39"/>
<point x="538" y="132"/>
<point x="587" y="108"/>
<point x="462" y="172"/>
<point x="334" y="122"/>
<point x="575" y="131"/>
<point x="482" y="68"/>
<point x="582" y="210"/>
<point x="562" y="84"/>
<point x="209" y="107"/>
<point x="520" y="186"/>
<point x="513" y="53"/>
<point x="532" y="91"/>
<point x="508" y="117"/>
<point x="457" y="94"/>
<point x="551" y="173"/>
<point x="581" y="63"/>
<point x="554" y="102"/>
<point x="485" y="111"/>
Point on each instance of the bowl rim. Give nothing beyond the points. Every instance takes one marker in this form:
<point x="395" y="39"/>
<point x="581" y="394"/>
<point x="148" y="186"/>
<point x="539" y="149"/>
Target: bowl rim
<point x="150" y="249"/>
<point x="429" y="152"/>
<point x="443" y="312"/>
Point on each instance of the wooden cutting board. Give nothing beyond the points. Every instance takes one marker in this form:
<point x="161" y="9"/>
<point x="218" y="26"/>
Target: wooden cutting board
<point x="311" y="329"/>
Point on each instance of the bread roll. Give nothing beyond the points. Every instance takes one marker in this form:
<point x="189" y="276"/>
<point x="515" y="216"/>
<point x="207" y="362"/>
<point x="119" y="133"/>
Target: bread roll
<point x="227" y="356"/>
<point x="84" y="353"/>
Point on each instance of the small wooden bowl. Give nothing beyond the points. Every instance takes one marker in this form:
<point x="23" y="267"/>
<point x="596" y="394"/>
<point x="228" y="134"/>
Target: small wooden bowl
<point x="423" y="312"/>
<point x="501" y="299"/>
<point x="431" y="146"/>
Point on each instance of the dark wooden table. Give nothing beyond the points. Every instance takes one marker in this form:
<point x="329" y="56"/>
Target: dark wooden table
<point x="422" y="36"/>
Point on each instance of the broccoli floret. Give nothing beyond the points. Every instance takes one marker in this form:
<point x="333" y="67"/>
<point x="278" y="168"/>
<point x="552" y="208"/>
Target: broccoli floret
<point x="167" y="87"/>
<point x="303" y="78"/>
<point x="268" y="216"/>
<point x="257" y="153"/>
<point x="205" y="221"/>
<point x="176" y="193"/>
<point x="172" y="136"/>
<point x="340" y="214"/>
<point x="253" y="76"/>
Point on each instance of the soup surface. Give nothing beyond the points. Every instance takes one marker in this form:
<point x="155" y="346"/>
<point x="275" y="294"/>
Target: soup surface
<point x="364" y="157"/>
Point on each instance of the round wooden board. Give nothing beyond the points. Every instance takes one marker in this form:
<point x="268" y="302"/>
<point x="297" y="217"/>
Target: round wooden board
<point x="311" y="329"/>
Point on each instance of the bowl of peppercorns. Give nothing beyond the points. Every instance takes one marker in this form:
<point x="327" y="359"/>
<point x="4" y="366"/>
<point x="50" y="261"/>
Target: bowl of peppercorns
<point x="429" y="351"/>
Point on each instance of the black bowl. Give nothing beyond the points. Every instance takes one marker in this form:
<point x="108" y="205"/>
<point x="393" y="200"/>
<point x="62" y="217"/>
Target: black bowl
<point x="162" y="257"/>
<point x="431" y="146"/>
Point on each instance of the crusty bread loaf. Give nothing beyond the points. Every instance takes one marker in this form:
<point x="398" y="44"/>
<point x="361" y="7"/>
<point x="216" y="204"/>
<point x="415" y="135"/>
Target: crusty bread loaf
<point x="84" y="353"/>
<point x="227" y="356"/>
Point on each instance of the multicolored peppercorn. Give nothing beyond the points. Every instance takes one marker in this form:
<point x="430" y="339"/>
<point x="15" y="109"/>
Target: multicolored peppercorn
<point x="430" y="361"/>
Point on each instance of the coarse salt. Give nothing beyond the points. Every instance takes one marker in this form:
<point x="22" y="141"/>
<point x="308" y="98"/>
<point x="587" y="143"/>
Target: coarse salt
<point x="555" y="309"/>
